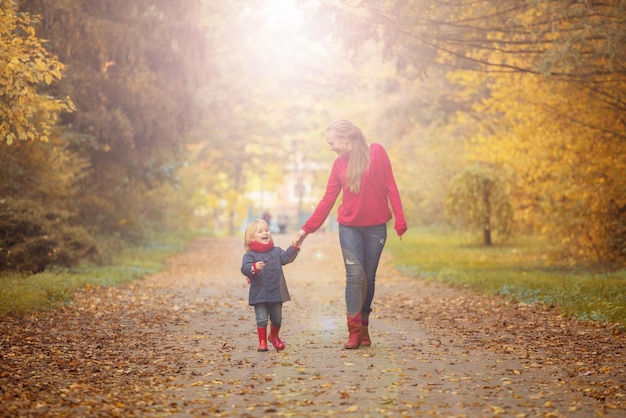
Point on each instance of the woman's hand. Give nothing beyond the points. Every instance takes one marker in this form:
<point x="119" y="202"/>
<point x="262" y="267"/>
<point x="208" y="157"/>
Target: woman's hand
<point x="299" y="239"/>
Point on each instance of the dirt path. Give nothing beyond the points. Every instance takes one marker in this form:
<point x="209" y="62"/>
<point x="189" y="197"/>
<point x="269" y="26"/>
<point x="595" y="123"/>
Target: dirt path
<point x="183" y="343"/>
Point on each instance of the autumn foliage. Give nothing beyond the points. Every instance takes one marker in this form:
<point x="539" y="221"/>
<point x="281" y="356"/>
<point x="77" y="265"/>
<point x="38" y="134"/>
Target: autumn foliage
<point x="543" y="93"/>
<point x="174" y="131"/>
<point x="26" y="113"/>
<point x="478" y="198"/>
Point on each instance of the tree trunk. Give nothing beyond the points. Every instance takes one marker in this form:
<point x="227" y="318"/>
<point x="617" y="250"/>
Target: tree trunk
<point x="487" y="222"/>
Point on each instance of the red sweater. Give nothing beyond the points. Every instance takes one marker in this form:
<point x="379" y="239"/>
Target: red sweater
<point x="369" y="207"/>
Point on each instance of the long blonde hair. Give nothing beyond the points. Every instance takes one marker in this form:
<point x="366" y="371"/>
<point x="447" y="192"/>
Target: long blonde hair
<point x="359" y="154"/>
<point x="251" y="229"/>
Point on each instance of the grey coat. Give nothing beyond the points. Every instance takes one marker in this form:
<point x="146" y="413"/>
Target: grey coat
<point x="268" y="285"/>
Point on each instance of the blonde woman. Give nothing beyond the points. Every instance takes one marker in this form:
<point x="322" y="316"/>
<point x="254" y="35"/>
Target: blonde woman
<point x="262" y="264"/>
<point x="363" y="174"/>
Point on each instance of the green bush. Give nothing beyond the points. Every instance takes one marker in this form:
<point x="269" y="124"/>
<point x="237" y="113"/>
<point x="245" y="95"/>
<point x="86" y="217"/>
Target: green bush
<point x="22" y="293"/>
<point x="34" y="237"/>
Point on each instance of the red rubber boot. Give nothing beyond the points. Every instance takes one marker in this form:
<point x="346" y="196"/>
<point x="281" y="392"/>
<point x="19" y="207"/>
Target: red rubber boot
<point x="273" y="338"/>
<point x="354" y="328"/>
<point x="262" y="339"/>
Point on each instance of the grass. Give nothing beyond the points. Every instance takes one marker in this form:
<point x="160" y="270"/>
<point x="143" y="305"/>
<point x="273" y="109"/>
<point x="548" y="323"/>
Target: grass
<point x="21" y="294"/>
<point x="520" y="270"/>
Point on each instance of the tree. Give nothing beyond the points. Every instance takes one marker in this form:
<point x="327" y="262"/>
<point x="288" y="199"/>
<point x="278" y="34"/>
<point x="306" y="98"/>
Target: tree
<point x="477" y="197"/>
<point x="133" y="69"/>
<point x="40" y="177"/>
<point x="566" y="173"/>
<point x="264" y="98"/>
<point x="26" y="113"/>
<point x="546" y="87"/>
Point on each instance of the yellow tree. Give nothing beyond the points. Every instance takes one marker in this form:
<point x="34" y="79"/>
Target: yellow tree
<point x="478" y="198"/>
<point x="548" y="80"/>
<point x="567" y="155"/>
<point x="558" y="126"/>
<point x="25" y="65"/>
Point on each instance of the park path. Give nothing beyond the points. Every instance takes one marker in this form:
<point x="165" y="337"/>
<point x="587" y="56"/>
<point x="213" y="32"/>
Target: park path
<point x="183" y="343"/>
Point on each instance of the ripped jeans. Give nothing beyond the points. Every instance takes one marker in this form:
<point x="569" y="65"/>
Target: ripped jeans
<point x="361" y="247"/>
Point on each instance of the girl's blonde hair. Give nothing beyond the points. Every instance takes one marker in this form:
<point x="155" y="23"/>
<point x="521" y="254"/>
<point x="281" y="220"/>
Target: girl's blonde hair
<point x="359" y="154"/>
<point x="251" y="229"/>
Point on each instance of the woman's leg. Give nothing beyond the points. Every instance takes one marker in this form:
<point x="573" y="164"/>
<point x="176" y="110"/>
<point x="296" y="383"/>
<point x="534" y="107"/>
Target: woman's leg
<point x="352" y="247"/>
<point x="374" y="238"/>
<point x="356" y="284"/>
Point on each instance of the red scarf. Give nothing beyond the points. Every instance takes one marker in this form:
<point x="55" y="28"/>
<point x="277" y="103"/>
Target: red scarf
<point x="259" y="247"/>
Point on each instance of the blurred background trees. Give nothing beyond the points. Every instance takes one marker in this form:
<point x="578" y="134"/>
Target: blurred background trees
<point x="539" y="93"/>
<point x="119" y="119"/>
<point x="478" y="197"/>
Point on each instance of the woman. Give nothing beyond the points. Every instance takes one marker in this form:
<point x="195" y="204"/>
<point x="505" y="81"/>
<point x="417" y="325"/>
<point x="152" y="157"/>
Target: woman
<point x="363" y="173"/>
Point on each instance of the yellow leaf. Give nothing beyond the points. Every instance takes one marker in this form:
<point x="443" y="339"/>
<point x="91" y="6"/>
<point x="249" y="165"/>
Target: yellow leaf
<point x="496" y="410"/>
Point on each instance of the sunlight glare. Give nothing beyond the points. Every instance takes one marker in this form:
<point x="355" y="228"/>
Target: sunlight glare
<point x="282" y="15"/>
<point x="278" y="38"/>
<point x="277" y="41"/>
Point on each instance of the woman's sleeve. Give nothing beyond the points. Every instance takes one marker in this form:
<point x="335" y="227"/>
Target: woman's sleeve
<point x="394" y="196"/>
<point x="333" y="187"/>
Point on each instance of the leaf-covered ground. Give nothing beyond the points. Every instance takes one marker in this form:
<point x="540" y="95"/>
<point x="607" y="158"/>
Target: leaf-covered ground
<point x="183" y="343"/>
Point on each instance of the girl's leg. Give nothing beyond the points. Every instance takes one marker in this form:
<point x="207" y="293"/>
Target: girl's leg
<point x="261" y="313"/>
<point x="276" y="317"/>
<point x="275" y="311"/>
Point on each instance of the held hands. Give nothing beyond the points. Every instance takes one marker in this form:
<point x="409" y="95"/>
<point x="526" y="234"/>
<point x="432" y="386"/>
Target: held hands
<point x="299" y="239"/>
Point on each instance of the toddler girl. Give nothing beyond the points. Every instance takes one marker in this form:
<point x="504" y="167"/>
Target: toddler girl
<point x="262" y="265"/>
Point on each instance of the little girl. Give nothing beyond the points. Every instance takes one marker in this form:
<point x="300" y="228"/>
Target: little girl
<point x="262" y="265"/>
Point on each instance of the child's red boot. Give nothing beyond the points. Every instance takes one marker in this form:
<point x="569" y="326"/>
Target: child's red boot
<point x="273" y="337"/>
<point x="262" y="339"/>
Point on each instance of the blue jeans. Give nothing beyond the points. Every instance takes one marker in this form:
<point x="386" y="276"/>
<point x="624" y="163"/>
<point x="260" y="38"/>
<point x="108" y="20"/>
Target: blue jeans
<point x="361" y="247"/>
<point x="271" y="310"/>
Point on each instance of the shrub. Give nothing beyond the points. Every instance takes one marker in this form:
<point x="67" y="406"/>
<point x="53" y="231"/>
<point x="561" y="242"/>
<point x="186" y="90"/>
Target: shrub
<point x="33" y="237"/>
